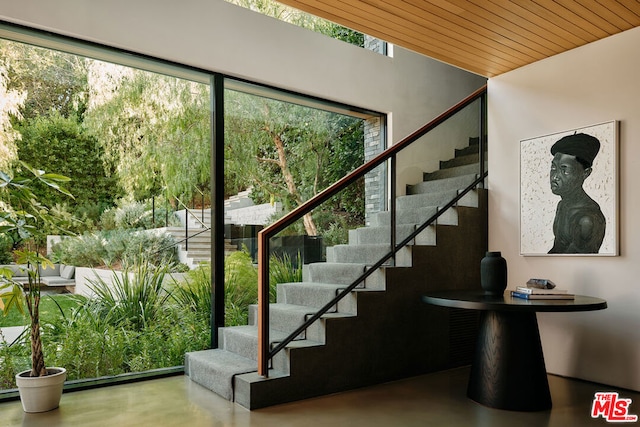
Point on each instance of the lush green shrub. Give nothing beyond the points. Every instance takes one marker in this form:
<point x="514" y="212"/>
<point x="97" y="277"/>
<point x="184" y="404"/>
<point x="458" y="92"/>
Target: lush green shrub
<point x="13" y="359"/>
<point x="89" y="344"/>
<point x="133" y="299"/>
<point x="164" y="343"/>
<point x="91" y="213"/>
<point x="86" y="344"/>
<point x="240" y="287"/>
<point x="131" y="325"/>
<point x="86" y="250"/>
<point x="131" y="215"/>
<point x="55" y="142"/>
<point x="158" y="249"/>
<point x="139" y="215"/>
<point x="108" y="219"/>
<point x="116" y="247"/>
<point x="283" y="270"/>
<point x="194" y="293"/>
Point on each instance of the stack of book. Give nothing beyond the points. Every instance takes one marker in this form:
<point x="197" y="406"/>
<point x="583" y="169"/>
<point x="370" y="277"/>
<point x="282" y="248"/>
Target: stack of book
<point x="526" y="292"/>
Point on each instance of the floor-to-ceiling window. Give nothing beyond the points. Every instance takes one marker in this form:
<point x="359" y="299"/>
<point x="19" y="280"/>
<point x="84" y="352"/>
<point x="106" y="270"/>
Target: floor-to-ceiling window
<point x="135" y="136"/>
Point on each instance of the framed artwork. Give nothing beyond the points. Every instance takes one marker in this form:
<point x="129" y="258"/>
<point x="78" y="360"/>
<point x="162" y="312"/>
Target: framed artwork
<point x="569" y="192"/>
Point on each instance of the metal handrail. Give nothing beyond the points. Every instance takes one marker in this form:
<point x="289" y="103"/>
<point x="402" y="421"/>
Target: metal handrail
<point x="205" y="228"/>
<point x="264" y="355"/>
<point x="190" y="212"/>
<point x="186" y="224"/>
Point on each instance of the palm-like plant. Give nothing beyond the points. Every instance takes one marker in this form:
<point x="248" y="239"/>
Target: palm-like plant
<point x="24" y="217"/>
<point x="134" y="298"/>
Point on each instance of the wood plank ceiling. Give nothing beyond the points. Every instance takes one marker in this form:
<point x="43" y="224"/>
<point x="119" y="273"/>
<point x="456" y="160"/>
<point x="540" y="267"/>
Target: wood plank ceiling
<point x="487" y="37"/>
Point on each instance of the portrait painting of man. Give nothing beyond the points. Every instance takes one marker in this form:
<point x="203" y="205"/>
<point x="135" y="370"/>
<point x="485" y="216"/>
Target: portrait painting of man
<point x="568" y="196"/>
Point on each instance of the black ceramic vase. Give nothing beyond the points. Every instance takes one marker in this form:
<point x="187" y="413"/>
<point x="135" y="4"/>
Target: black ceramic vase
<point x="493" y="273"/>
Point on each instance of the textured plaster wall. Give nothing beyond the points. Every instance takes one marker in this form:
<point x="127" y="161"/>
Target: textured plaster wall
<point x="589" y="85"/>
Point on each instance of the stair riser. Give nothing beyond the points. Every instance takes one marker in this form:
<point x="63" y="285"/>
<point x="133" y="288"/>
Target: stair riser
<point x="198" y="239"/>
<point x="338" y="273"/>
<point x="413" y="201"/>
<point x="315" y="297"/>
<point x="454" y="183"/>
<point x="243" y="340"/>
<point x="367" y="255"/>
<point x="283" y="321"/>
<point x="471" y="149"/>
<point x="179" y="231"/>
<point x="360" y="236"/>
<point x="378" y="235"/>
<point x="460" y="161"/>
<point x="343" y="274"/>
<point x="452" y="172"/>
<point x="416" y="216"/>
<point x="204" y="253"/>
<point x="239" y="343"/>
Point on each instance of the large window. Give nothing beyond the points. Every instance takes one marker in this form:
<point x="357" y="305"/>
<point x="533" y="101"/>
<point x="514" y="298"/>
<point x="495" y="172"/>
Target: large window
<point x="135" y="140"/>
<point x="135" y="137"/>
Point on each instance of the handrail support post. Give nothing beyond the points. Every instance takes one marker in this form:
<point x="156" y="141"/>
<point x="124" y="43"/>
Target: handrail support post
<point x="263" y="306"/>
<point x="392" y="207"/>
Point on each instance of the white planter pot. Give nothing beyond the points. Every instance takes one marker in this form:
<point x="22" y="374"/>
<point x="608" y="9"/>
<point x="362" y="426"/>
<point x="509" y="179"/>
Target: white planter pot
<point x="41" y="394"/>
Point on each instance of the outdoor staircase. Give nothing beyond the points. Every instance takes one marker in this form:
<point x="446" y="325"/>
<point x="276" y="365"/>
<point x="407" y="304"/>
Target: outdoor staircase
<point x="381" y="331"/>
<point x="198" y="247"/>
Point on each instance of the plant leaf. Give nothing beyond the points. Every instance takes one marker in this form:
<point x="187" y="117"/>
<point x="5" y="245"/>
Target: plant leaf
<point x="12" y="298"/>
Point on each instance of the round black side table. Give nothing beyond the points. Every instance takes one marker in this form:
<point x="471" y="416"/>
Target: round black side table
<point x="508" y="370"/>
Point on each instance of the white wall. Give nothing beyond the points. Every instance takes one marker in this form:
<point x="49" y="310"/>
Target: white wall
<point x="589" y="85"/>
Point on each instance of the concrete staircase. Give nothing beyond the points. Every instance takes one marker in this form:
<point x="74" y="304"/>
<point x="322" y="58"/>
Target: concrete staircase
<point x="198" y="247"/>
<point x="381" y="331"/>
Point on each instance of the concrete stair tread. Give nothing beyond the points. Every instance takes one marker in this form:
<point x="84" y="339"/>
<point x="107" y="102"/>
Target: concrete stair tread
<point x="368" y="254"/>
<point x="461" y="160"/>
<point x="432" y="198"/>
<point x="251" y="332"/>
<point x="333" y="272"/>
<point x="215" y="369"/>
<point x="451" y="172"/>
<point x="315" y="285"/>
<point x="472" y="148"/>
<point x="317" y="295"/>
<point x="417" y="216"/>
<point x="443" y="184"/>
<point x="243" y="340"/>
<point x="283" y="317"/>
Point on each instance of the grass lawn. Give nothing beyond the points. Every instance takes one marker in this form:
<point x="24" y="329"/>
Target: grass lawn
<point x="48" y="309"/>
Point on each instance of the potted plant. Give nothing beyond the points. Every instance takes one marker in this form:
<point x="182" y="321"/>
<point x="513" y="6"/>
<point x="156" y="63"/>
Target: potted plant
<point x="22" y="216"/>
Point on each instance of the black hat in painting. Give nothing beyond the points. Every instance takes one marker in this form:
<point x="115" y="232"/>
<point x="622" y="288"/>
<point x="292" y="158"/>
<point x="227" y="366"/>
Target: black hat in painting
<point x="584" y="147"/>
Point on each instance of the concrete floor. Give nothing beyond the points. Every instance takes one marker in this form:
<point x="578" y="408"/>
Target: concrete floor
<point x="437" y="399"/>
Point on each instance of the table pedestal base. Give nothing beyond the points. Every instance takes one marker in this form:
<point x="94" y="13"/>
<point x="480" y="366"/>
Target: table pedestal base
<point x="508" y="370"/>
